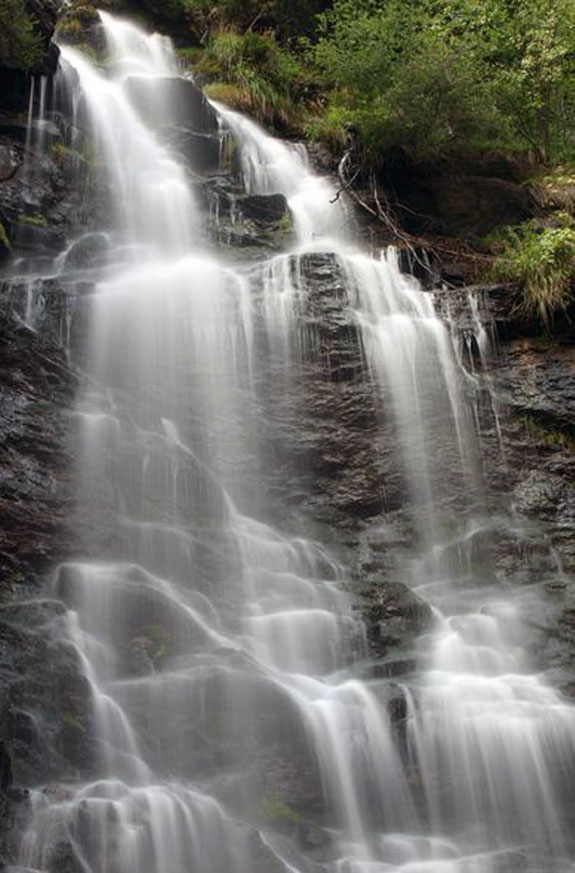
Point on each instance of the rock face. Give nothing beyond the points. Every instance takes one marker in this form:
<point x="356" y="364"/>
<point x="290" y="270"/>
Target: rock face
<point x="44" y="702"/>
<point x="464" y="197"/>
<point x="328" y="460"/>
<point x="37" y="386"/>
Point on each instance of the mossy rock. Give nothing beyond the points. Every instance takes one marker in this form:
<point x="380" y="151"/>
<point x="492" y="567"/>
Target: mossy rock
<point x="5" y="247"/>
<point x="33" y="220"/>
<point x="277" y="811"/>
<point x="81" y="27"/>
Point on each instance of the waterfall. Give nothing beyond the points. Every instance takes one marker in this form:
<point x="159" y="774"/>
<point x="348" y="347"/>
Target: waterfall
<point x="233" y="729"/>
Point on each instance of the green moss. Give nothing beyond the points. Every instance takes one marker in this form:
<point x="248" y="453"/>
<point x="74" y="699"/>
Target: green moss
<point x="79" y="27"/>
<point x="155" y="641"/>
<point x="285" y="224"/>
<point x="71" y="722"/>
<point x="4" y="241"/>
<point x="36" y="220"/>
<point x="552" y="438"/>
<point x="275" y="809"/>
<point x="62" y="154"/>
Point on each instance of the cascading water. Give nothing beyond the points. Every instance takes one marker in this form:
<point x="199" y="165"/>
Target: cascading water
<point x="221" y="654"/>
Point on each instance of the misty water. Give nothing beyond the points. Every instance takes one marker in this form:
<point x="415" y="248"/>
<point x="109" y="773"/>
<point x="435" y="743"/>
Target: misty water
<point x="224" y="654"/>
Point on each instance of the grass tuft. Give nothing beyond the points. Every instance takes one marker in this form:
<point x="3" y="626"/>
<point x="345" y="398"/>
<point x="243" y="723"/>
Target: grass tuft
<point x="542" y="262"/>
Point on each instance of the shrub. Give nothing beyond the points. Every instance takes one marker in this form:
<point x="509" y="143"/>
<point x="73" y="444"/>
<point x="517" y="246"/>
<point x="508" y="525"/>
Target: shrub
<point x="20" y="45"/>
<point x="542" y="261"/>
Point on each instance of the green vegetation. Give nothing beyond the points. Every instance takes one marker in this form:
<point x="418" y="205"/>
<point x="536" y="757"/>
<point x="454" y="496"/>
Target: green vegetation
<point x="75" y="24"/>
<point x="542" y="261"/>
<point x="20" y="44"/>
<point x="155" y="642"/>
<point x="35" y="220"/>
<point x="555" y="190"/>
<point x="254" y="73"/>
<point x="438" y="76"/>
<point x="432" y="77"/>
<point x="4" y="241"/>
<point x="62" y="155"/>
<point x="552" y="438"/>
<point x="200" y="18"/>
<point x="435" y="80"/>
<point x="72" y="722"/>
<point x="189" y="55"/>
<point x="275" y="809"/>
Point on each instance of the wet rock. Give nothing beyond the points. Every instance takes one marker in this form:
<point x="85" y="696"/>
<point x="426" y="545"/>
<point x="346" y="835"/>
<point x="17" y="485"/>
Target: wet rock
<point x="539" y="494"/>
<point x="145" y="623"/>
<point x="535" y="379"/>
<point x="64" y="858"/>
<point x="10" y="159"/>
<point x="325" y="443"/>
<point x="261" y="207"/>
<point x="41" y="695"/>
<point x="6" y="777"/>
<point x="464" y="197"/>
<point x="87" y="251"/>
<point x="202" y="151"/>
<point x="38" y="238"/>
<point x="394" y="615"/>
<point x="36" y="388"/>
<point x="264" y="859"/>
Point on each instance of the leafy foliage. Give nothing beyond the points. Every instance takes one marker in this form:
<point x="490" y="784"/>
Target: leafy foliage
<point x="20" y="44"/>
<point x="435" y="76"/>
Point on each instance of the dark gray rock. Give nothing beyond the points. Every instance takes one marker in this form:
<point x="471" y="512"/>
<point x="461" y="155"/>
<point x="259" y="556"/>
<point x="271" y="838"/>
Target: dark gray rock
<point x="35" y="391"/>
<point x="324" y="441"/>
<point x="262" y="207"/>
<point x="37" y="238"/>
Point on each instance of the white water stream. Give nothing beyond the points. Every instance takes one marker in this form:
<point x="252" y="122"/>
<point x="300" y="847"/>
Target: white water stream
<point x="220" y="652"/>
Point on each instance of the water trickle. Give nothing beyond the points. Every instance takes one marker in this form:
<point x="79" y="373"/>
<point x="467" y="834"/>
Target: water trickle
<point x="222" y="654"/>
